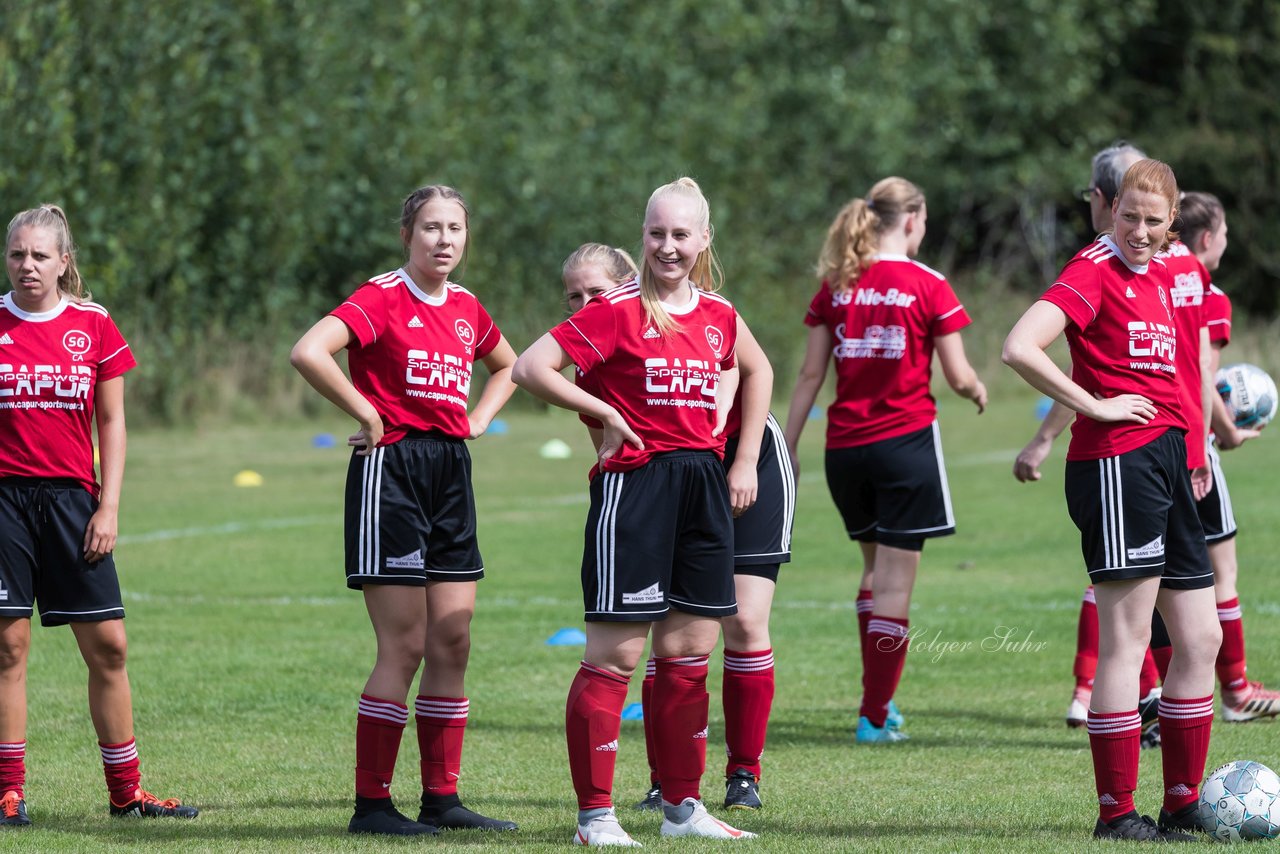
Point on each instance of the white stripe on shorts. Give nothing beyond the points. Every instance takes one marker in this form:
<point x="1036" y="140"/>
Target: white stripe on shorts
<point x="1220" y="489"/>
<point x="774" y="432"/>
<point x="370" y="541"/>
<point x="942" y="475"/>
<point x="606" y="529"/>
<point x="1112" y="493"/>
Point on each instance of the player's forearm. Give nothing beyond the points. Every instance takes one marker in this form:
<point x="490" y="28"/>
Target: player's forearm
<point x="497" y="391"/>
<point x="802" y="398"/>
<point x="322" y="373"/>
<point x="757" y="391"/>
<point x="111" y="455"/>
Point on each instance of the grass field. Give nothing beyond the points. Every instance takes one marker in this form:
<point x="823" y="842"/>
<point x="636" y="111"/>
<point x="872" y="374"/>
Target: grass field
<point x="248" y="654"/>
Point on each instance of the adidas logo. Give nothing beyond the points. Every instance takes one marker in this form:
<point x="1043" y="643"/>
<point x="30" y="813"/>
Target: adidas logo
<point x="1180" y="791"/>
<point x="651" y="332"/>
<point x="1129" y="293"/>
<point x="5" y="339"/>
<point x="702" y="734"/>
<point x="611" y="747"/>
<point x="1155" y="548"/>
<point x="415" y="323"/>
<point x="1106" y="800"/>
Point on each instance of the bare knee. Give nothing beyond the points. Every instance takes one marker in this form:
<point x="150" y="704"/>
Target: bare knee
<point x="448" y="644"/>
<point x="13" y="654"/>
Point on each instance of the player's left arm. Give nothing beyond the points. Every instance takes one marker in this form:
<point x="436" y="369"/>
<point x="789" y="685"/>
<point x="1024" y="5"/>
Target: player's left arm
<point x="756" y="380"/>
<point x="1202" y="477"/>
<point x="960" y="375"/>
<point x="497" y="389"/>
<point x="108" y="404"/>
<point x="1226" y="434"/>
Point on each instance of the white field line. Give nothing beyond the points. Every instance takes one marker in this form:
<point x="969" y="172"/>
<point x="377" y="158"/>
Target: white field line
<point x="225" y="528"/>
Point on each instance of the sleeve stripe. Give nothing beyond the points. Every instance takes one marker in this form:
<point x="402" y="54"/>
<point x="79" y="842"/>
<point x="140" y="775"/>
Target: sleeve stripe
<point x="116" y="353"/>
<point x="365" y="316"/>
<point x="949" y="313"/>
<point x="585" y="338"/>
<point x="485" y="336"/>
<point x="1082" y="299"/>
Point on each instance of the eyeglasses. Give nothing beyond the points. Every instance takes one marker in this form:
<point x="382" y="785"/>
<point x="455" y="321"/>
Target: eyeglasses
<point x="1086" y="195"/>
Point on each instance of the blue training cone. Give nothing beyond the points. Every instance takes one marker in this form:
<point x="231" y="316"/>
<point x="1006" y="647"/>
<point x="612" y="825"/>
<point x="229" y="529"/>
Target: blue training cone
<point x="497" y="427"/>
<point x="567" y="637"/>
<point x="1043" y="405"/>
<point x="815" y="413"/>
<point x="323" y="440"/>
<point x="633" y="712"/>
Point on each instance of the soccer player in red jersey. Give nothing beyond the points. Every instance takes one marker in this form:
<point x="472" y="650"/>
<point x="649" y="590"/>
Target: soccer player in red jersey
<point x="1129" y="492"/>
<point x="762" y="542"/>
<point x="1203" y="228"/>
<point x="881" y="315"/>
<point x="413" y="337"/>
<point x="1109" y="166"/>
<point x="659" y="548"/>
<point x="62" y="366"/>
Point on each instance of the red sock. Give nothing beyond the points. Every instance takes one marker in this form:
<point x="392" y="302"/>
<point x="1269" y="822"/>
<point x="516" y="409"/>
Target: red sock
<point x="120" y="766"/>
<point x="1149" y="677"/>
<point x="1162" y="655"/>
<point x="442" y="721"/>
<point x="886" y="655"/>
<point x="1086" y="663"/>
<point x="13" y="767"/>
<point x="680" y="724"/>
<point x="864" y="604"/>
<point x="592" y="722"/>
<point x="646" y="708"/>
<point x="748" y="696"/>
<point x="1114" y="742"/>
<point x="379" y="726"/>
<point x="1231" y="665"/>
<point x="1184" y="744"/>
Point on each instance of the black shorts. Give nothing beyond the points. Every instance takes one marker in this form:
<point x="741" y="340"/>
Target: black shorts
<point x="762" y="535"/>
<point x="893" y="491"/>
<point x="1137" y="516"/>
<point x="657" y="538"/>
<point x="42" y="525"/>
<point x="1216" y="516"/>
<point x="411" y="515"/>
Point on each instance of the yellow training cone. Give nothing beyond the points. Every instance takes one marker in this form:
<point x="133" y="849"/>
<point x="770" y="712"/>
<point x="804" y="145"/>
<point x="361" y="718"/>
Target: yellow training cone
<point x="247" y="478"/>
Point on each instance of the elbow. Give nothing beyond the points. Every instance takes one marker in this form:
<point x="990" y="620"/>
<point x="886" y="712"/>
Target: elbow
<point x="298" y="357"/>
<point x="1014" y="353"/>
<point x="521" y="372"/>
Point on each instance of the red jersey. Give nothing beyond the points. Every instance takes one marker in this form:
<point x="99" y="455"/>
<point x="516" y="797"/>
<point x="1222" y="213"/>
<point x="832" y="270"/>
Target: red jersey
<point x="663" y="385"/>
<point x="883" y="329"/>
<point x="1190" y="281"/>
<point x="588" y="383"/>
<point x="50" y="365"/>
<point x="413" y="354"/>
<point x="1123" y="341"/>
<point x="1217" y="316"/>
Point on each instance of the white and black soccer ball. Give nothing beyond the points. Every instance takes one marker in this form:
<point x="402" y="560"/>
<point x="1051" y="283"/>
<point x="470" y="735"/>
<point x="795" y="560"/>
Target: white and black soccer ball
<point x="1249" y="393"/>
<point x="1240" y="801"/>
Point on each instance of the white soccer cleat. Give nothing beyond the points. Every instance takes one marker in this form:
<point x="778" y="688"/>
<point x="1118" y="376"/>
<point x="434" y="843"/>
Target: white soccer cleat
<point x="1252" y="703"/>
<point x="604" y="830"/>
<point x="1078" y="711"/>
<point x="702" y="823"/>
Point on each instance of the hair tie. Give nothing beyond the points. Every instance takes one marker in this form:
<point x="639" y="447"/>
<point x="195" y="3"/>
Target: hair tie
<point x="871" y="204"/>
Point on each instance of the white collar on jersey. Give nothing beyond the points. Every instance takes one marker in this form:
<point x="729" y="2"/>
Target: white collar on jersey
<point x="889" y="256"/>
<point x="1106" y="240"/>
<point x="35" y="316"/>
<point x="687" y="307"/>
<point x="419" y="292"/>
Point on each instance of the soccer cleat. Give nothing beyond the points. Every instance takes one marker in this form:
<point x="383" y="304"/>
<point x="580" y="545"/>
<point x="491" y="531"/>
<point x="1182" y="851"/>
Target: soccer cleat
<point x="867" y="733"/>
<point x="13" y="811"/>
<point x="652" y="799"/>
<point x="1150" y="738"/>
<point x="742" y="791"/>
<point x="1185" y="819"/>
<point x="1250" y="704"/>
<point x="894" y="719"/>
<point x="1135" y="828"/>
<point x="701" y="823"/>
<point x="147" y="805"/>
<point x="388" y="822"/>
<point x="447" y="813"/>
<point x="1078" y="711"/>
<point x="604" y="830"/>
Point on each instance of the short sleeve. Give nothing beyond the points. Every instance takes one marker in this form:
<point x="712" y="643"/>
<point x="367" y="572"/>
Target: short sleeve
<point x="590" y="335"/>
<point x="948" y="314"/>
<point x="730" y="358"/>
<point x="818" y="307"/>
<point x="1078" y="292"/>
<point x="116" y="358"/>
<point x="488" y="339"/>
<point x="364" y="313"/>
<point x="1217" y="316"/>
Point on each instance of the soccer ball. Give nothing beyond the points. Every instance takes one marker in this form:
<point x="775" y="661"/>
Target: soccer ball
<point x="1249" y="393"/>
<point x="1241" y="801"/>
